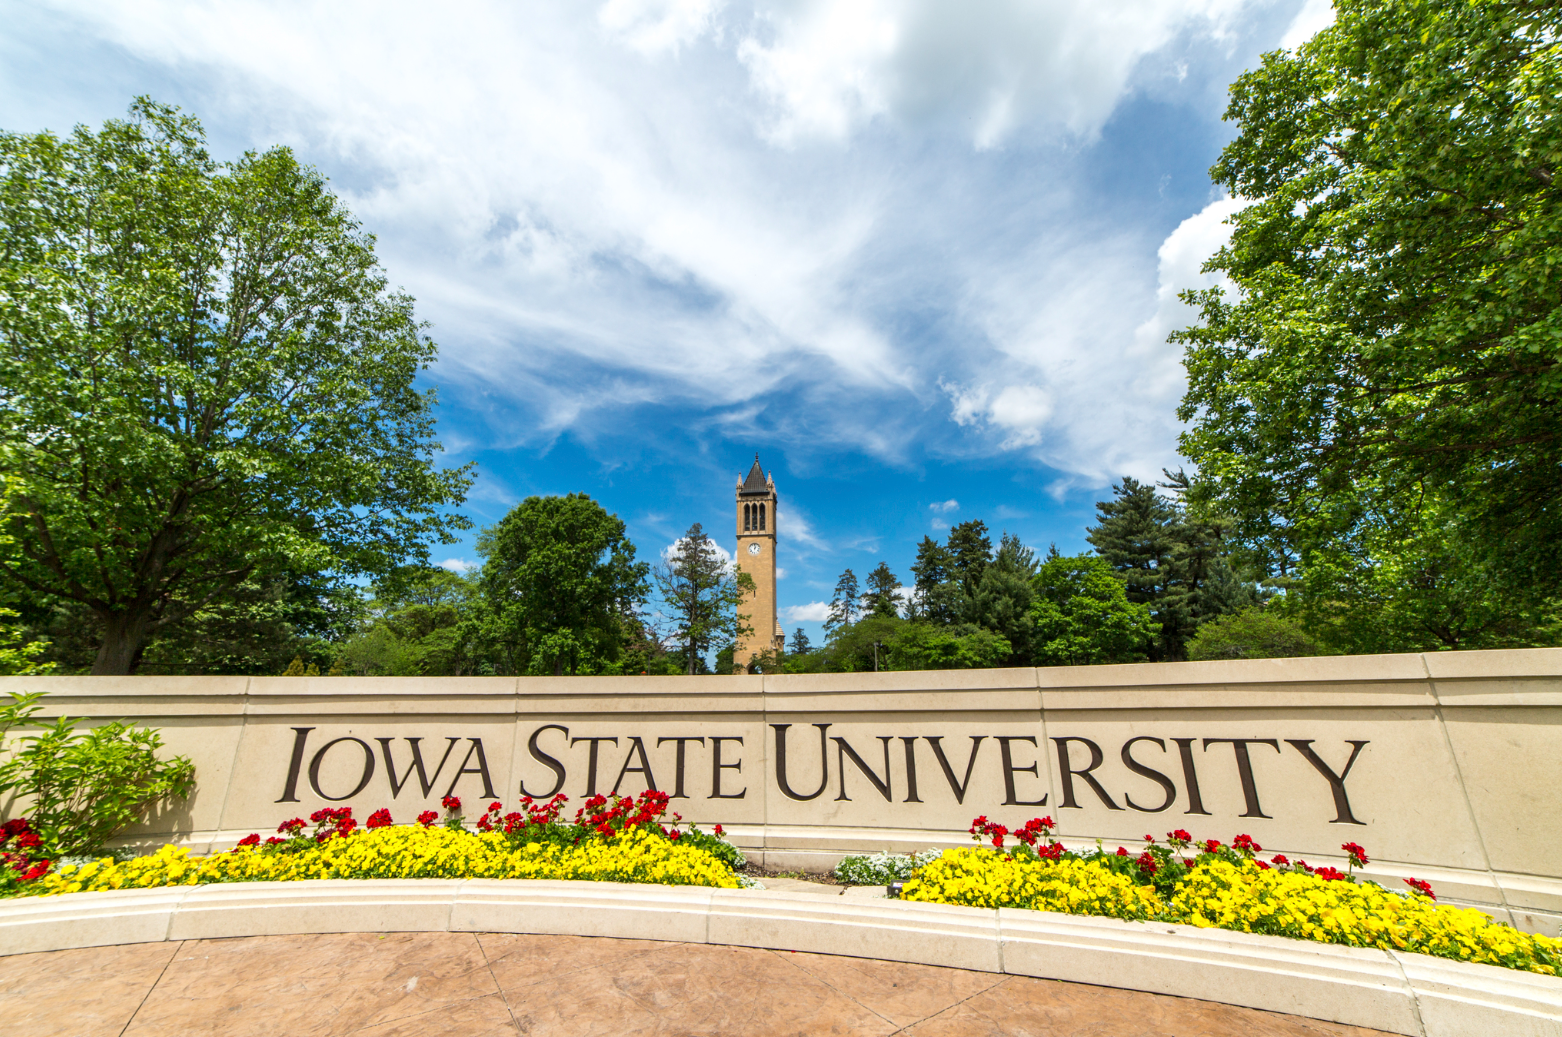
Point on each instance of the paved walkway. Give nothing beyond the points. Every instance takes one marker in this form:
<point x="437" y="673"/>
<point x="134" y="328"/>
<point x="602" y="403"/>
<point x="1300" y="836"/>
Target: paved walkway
<point x="449" y="984"/>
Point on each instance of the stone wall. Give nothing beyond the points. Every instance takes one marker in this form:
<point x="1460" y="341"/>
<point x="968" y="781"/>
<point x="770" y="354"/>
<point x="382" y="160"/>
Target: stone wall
<point x="1447" y="767"/>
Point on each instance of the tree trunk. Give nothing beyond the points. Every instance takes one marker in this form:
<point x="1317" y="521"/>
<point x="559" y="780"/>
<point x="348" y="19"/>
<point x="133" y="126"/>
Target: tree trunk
<point x="123" y="636"/>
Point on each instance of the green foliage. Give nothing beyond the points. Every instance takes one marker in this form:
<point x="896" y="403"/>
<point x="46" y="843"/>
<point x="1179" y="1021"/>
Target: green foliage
<point x="19" y="656"/>
<point x="1082" y="614"/>
<point x="922" y="646"/>
<point x="561" y="585"/>
<point x="938" y="597"/>
<point x="970" y="549"/>
<point x="205" y="379"/>
<point x="800" y="643"/>
<point x="702" y="593"/>
<point x="845" y="606"/>
<point x="880" y="598"/>
<point x="1003" y="598"/>
<point x="84" y="786"/>
<point x="1255" y="633"/>
<point x="1172" y="557"/>
<point x="1391" y="367"/>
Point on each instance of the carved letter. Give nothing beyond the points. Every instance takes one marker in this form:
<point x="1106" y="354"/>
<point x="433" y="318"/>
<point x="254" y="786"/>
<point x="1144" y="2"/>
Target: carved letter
<point x="717" y="767"/>
<point x="949" y="772"/>
<point x="426" y="782"/>
<point x="1009" y="771"/>
<point x="824" y="762"/>
<point x="591" y="761"/>
<point x="911" y="769"/>
<point x="678" y="787"/>
<point x="1068" y="774"/>
<point x="368" y="768"/>
<point x="1190" y="775"/>
<point x="1245" y="768"/>
<point x="1154" y="775"/>
<point x="290" y="790"/>
<point x="547" y="761"/>
<point x="843" y="750"/>
<point x="1342" y="814"/>
<point x="481" y="768"/>
<point x="635" y="746"/>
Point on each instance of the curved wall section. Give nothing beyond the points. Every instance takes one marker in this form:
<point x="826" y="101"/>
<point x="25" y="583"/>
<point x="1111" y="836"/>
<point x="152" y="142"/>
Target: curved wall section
<point x="1446" y="767"/>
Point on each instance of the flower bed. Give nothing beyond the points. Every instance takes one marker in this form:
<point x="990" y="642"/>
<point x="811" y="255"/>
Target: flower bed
<point x="1214" y="885"/>
<point x="609" y="841"/>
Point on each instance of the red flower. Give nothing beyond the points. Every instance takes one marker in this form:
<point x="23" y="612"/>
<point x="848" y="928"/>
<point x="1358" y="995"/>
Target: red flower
<point x="1149" y="839"/>
<point x="379" y="819"/>
<point x="1211" y="845"/>
<point x="253" y="839"/>
<point x="1261" y="865"/>
<point x="451" y="802"/>
<point x="274" y="840"/>
<point x="1246" y="844"/>
<point x="1122" y="851"/>
<point x="1421" y="886"/>
<point x="1147" y="863"/>
<point x="1358" y="856"/>
<point x="427" y="818"/>
<point x="292" y="827"/>
<point x="1179" y="838"/>
<point x="718" y="830"/>
<point x="1280" y="860"/>
<point x="15" y="826"/>
<point x="1331" y="874"/>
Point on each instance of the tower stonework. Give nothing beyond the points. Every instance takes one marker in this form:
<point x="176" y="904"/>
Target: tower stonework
<point x="756" y="527"/>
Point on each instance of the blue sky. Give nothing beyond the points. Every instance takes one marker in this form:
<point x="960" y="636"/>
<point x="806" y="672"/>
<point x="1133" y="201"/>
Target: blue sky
<point x="921" y="256"/>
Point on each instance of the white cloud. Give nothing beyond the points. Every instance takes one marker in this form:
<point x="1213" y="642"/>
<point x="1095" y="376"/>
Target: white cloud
<point x="1314" y="16"/>
<point x="674" y="549"/>
<point x="780" y="572"/>
<point x="944" y="507"/>
<point x="458" y="565"/>
<point x="654" y="26"/>
<point x="792" y="524"/>
<point x="988" y="67"/>
<point x="679" y="202"/>
<point x="813" y="612"/>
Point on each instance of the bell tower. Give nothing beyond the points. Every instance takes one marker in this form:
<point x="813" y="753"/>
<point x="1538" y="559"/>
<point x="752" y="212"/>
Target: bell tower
<point x="756" y="521"/>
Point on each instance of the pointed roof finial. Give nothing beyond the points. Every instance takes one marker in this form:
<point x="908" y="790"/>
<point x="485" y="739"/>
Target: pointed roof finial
<point x="755" y="483"/>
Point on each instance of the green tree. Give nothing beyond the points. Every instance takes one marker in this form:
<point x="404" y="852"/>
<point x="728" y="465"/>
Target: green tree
<point x="1254" y="633"/>
<point x="561" y="585"/>
<point x="421" y="626"/>
<point x="880" y="598"/>
<point x="800" y="643"/>
<point x="1003" y="598"/>
<point x="845" y="606"/>
<point x="702" y="593"/>
<point x="937" y="598"/>
<point x="203" y="378"/>
<point x="922" y="646"/>
<point x="970" y="549"/>
<point x="1393" y="357"/>
<point x="1082" y="614"/>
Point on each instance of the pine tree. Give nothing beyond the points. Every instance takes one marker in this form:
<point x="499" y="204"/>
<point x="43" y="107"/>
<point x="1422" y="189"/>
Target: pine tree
<point x="702" y="593"/>
<point x="800" y="643"/>
<point x="936" y="600"/>
<point x="880" y="599"/>
<point x="970" y="550"/>
<point x="844" y="607"/>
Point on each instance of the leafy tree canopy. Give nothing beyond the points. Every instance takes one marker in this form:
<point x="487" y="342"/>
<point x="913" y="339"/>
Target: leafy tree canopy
<point x="562" y="585"/>
<point x="1254" y="633"/>
<point x="1393" y="354"/>
<point x="203" y="379"/>
<point x="1082" y="614"/>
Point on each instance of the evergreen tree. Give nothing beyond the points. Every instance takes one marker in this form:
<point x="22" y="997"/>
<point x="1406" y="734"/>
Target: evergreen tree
<point x="970" y="550"/>
<point x="880" y="599"/>
<point x="702" y="593"/>
<point x="937" y="598"/>
<point x="845" y="606"/>
<point x="800" y="643"/>
<point x="1002" y="602"/>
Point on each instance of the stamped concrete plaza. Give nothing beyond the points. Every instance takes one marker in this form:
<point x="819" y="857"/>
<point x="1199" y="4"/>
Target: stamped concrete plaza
<point x="471" y="984"/>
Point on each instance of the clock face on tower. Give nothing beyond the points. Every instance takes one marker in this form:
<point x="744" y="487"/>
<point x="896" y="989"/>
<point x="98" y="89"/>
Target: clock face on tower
<point x="753" y="549"/>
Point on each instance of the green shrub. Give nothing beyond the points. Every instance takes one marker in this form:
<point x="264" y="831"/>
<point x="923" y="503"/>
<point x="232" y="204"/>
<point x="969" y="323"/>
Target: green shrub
<point x="1254" y="633"/>
<point x="85" y="786"/>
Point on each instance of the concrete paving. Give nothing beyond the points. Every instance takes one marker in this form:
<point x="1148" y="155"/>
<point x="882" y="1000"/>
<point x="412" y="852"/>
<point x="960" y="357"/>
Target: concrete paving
<point x="449" y="984"/>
